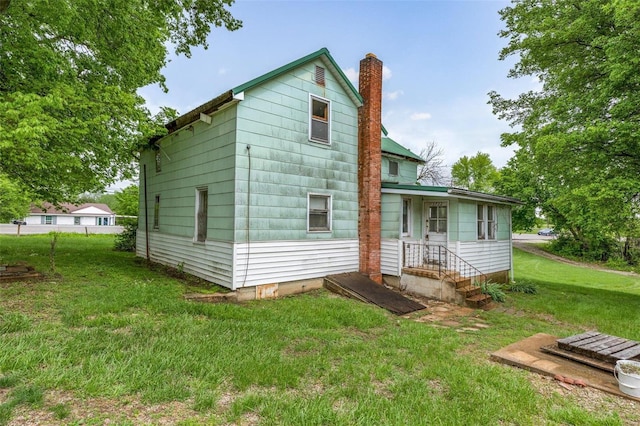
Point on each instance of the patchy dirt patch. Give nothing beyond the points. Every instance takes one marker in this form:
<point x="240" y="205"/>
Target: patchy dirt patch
<point x="590" y="399"/>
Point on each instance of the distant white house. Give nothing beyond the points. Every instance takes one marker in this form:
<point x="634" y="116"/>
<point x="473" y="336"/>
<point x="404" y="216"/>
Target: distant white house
<point x="88" y="214"/>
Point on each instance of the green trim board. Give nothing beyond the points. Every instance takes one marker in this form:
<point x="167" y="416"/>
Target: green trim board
<point x="322" y="54"/>
<point x="392" y="147"/>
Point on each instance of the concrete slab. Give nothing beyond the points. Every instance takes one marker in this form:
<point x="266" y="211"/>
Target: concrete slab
<point x="527" y="354"/>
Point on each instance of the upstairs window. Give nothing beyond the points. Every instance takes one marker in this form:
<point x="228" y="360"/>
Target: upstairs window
<point x="393" y="168"/>
<point x="319" y="120"/>
<point x="158" y="161"/>
<point x="319" y="213"/>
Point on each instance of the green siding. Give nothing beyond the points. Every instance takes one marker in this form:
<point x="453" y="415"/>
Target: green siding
<point x="199" y="156"/>
<point x="391" y="215"/>
<point x="285" y="166"/>
<point x="407" y="171"/>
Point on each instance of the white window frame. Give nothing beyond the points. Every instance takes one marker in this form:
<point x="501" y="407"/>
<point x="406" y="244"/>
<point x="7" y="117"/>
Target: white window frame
<point x="77" y="220"/>
<point x="196" y="235"/>
<point x="486" y="225"/>
<point x="409" y="218"/>
<point x="311" y="119"/>
<point x="329" y="199"/>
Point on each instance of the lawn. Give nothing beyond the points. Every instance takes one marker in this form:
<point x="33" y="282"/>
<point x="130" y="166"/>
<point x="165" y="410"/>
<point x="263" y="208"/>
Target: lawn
<point x="103" y="338"/>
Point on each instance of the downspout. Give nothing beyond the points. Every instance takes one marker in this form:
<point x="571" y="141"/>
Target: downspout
<point x="146" y="212"/>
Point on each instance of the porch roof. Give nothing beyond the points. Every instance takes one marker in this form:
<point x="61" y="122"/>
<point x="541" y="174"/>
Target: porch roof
<point x="447" y="192"/>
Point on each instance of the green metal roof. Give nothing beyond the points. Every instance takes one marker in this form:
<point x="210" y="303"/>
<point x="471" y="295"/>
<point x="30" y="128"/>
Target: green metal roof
<point x="322" y="54"/>
<point x="452" y="192"/>
<point x="392" y="147"/>
<point x="415" y="187"/>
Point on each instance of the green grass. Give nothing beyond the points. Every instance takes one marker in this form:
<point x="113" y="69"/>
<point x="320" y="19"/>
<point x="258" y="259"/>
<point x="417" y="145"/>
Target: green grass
<point x="104" y="326"/>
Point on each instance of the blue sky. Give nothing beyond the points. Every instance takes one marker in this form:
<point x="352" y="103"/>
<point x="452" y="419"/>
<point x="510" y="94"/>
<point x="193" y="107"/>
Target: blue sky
<point x="440" y="58"/>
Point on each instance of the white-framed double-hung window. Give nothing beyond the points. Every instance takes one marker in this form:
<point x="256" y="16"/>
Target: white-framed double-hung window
<point x="319" y="119"/>
<point x="486" y="222"/>
<point x="319" y="213"/>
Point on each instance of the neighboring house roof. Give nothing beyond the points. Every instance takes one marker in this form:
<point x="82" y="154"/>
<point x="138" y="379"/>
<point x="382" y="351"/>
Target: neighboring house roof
<point x="392" y="147"/>
<point x="445" y="191"/>
<point x="68" y="208"/>
<point x="237" y="93"/>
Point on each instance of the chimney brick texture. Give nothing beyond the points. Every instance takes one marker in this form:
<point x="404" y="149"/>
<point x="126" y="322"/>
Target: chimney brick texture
<point x="369" y="166"/>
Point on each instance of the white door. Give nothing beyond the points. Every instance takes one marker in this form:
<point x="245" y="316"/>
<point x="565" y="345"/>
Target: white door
<point x="436" y="222"/>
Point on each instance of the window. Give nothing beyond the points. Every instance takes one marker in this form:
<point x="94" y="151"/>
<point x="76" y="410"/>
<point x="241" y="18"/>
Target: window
<point x="486" y="220"/>
<point x="158" y="161"/>
<point x="48" y="220"/>
<point x="319" y="126"/>
<point x="76" y="220"/>
<point x="319" y="213"/>
<point x="156" y="213"/>
<point x="438" y="218"/>
<point x="202" y="204"/>
<point x="491" y="222"/>
<point x="406" y="217"/>
<point x="319" y="75"/>
<point x="102" y="221"/>
<point x="393" y="168"/>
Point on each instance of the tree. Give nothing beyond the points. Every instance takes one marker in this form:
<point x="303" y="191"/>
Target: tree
<point x="433" y="169"/>
<point x="70" y="118"/>
<point x="580" y="132"/>
<point x="475" y="173"/>
<point x="127" y="201"/>
<point x="14" y="203"/>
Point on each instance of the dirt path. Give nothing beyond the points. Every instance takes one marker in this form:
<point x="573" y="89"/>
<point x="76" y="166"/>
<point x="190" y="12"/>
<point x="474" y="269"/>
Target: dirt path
<point x="534" y="249"/>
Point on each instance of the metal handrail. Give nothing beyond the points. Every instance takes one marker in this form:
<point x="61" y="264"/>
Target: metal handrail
<point x="440" y="258"/>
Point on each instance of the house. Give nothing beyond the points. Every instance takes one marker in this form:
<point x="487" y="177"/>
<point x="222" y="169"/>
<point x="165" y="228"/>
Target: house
<point x="289" y="177"/>
<point x="87" y="214"/>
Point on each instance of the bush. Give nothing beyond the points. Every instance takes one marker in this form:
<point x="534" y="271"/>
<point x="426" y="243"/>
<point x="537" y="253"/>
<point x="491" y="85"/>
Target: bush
<point x="126" y="240"/>
<point x="494" y="290"/>
<point x="522" y="287"/>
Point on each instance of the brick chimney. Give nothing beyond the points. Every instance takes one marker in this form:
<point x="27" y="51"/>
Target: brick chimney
<point x="369" y="166"/>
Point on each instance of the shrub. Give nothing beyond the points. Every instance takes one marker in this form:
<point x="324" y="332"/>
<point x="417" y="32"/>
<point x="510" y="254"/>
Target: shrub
<point x="494" y="290"/>
<point x="126" y="240"/>
<point x="522" y="287"/>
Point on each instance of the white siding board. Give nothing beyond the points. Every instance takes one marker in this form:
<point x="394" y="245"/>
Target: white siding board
<point x="282" y="261"/>
<point x="390" y="257"/>
<point x="487" y="256"/>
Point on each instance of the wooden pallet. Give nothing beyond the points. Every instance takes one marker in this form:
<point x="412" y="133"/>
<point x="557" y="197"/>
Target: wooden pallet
<point x="595" y="349"/>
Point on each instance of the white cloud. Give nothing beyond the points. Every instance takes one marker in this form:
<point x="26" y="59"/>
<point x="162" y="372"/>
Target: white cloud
<point x="351" y="74"/>
<point x="392" y="96"/>
<point x="386" y="72"/>
<point x="417" y="116"/>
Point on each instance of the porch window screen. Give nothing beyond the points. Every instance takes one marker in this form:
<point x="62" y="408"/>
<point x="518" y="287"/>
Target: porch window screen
<point x="438" y="219"/>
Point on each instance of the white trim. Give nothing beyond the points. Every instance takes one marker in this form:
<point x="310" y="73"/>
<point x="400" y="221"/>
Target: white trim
<point x="329" y="212"/>
<point x="424" y="193"/>
<point x="329" y="118"/>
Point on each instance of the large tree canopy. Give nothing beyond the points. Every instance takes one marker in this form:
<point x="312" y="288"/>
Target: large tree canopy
<point x="476" y="173"/>
<point x="70" y="118"/>
<point x="579" y="134"/>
